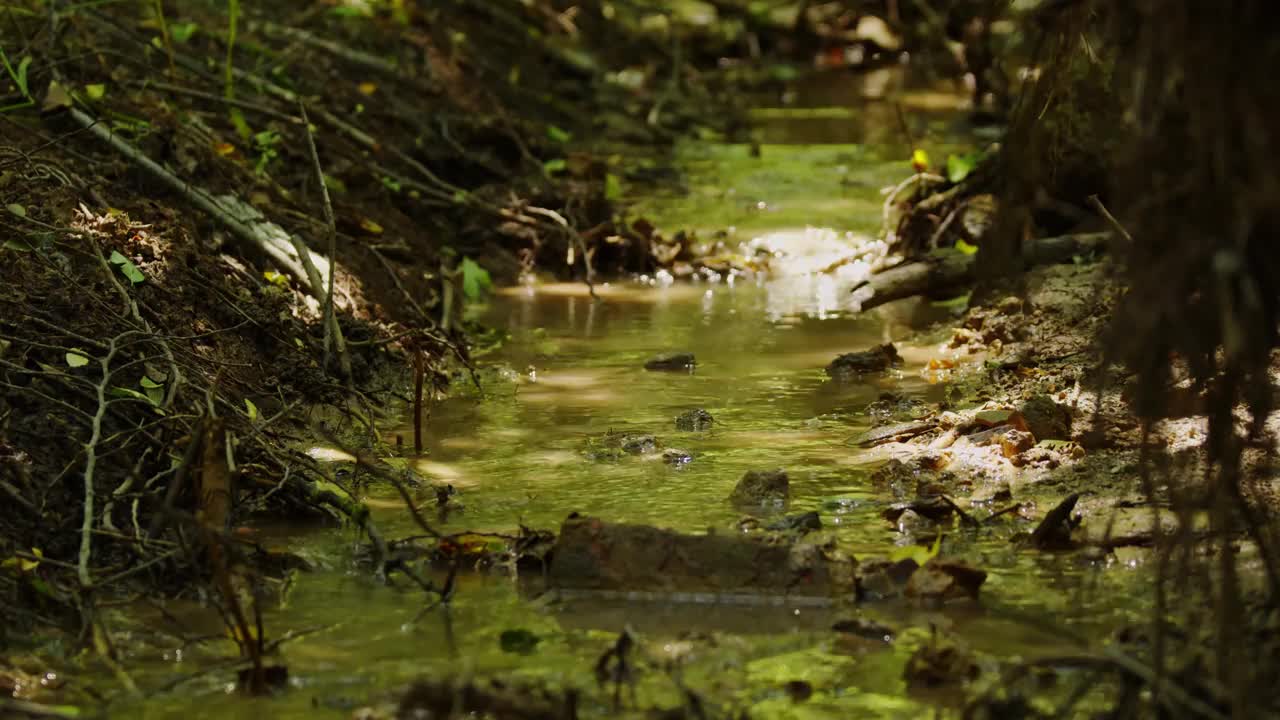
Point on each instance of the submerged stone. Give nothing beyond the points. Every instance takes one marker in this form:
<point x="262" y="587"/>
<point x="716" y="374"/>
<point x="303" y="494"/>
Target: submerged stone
<point x="672" y="362"/>
<point x="940" y="663"/>
<point x="673" y="456"/>
<point x="803" y="522"/>
<point x="1046" y="419"/>
<point x="895" y="432"/>
<point x="877" y="359"/>
<point x="762" y="487"/>
<point x="695" y="420"/>
<point x="638" y="444"/>
<point x="592" y="554"/>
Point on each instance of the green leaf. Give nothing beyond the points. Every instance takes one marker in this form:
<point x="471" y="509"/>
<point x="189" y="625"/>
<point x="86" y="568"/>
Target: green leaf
<point x="250" y="409"/>
<point x="558" y="134"/>
<point x="182" y="32"/>
<point x="612" y="187"/>
<point x="153" y="390"/>
<point x="42" y="587"/>
<point x="127" y="393"/>
<point x="127" y="268"/>
<point x="519" y="641"/>
<point x="241" y="125"/>
<point x="918" y="553"/>
<point x="21" y="78"/>
<point x="76" y="358"/>
<point x="910" y="552"/>
<point x="349" y="11"/>
<point x="958" y="302"/>
<point x="475" y="280"/>
<point x="460" y="197"/>
<point x="16" y="209"/>
<point x="391" y="184"/>
<point x="959" y="166"/>
<point x="336" y="186"/>
<point x="965" y="247"/>
<point x="155" y="395"/>
<point x="278" y="279"/>
<point x="554" y="166"/>
<point x="95" y="91"/>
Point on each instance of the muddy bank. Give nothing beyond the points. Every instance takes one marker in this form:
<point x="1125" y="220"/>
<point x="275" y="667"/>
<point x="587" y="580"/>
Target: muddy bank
<point x="228" y="235"/>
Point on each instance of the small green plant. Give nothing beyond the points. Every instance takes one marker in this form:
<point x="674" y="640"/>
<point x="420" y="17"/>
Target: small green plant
<point x="127" y="268"/>
<point x="959" y="166"/>
<point x="266" y="144"/>
<point x="19" y="77"/>
<point x="475" y="280"/>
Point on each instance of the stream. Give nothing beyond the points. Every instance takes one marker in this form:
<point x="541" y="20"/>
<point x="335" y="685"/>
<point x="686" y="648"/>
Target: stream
<point x="571" y="370"/>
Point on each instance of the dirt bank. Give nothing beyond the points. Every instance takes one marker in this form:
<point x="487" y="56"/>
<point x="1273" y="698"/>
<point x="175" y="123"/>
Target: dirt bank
<point x="172" y="227"/>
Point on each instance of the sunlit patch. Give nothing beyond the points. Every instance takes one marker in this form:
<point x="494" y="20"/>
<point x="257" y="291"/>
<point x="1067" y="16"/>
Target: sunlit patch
<point x="332" y="455"/>
<point x="512" y="433"/>
<point x="933" y="100"/>
<point x="554" y="457"/>
<point x="440" y="471"/>
<point x="1183" y="433"/>
<point x="777" y="438"/>
<point x="568" y="380"/>
<point x="814" y="271"/>
<point x="627" y="292"/>
<point x="564" y="397"/>
<point x="463" y="442"/>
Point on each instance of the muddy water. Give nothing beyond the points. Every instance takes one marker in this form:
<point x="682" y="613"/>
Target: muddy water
<point x="569" y="372"/>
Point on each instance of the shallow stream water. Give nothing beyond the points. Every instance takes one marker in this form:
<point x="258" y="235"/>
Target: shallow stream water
<point x="570" y="372"/>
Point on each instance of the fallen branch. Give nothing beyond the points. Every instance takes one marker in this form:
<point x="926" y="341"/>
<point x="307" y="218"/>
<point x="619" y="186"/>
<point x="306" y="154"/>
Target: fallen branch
<point x="952" y="272"/>
<point x="332" y="332"/>
<point x="1102" y="210"/>
<point x="90" y="465"/>
<point x="196" y="196"/>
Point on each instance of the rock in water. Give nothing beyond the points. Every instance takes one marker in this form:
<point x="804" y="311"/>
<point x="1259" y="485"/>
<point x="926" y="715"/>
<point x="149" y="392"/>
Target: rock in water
<point x="591" y="554"/>
<point x="694" y="420"/>
<point x="672" y="362"/>
<point x="802" y="523"/>
<point x="762" y="487"/>
<point x="877" y="359"/>
<point x="677" y="457"/>
<point x="1046" y="419"/>
<point x="638" y="444"/>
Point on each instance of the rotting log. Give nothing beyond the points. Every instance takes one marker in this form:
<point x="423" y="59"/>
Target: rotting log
<point x="591" y="554"/>
<point x="952" y="272"/>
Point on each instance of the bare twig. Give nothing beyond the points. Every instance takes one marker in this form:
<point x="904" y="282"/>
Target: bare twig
<point x="355" y="57"/>
<point x="318" y="291"/>
<point x="332" y="333"/>
<point x="1101" y="209"/>
<point x="91" y="457"/>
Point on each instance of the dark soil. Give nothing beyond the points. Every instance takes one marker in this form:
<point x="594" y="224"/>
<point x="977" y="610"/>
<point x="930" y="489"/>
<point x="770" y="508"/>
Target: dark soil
<point x="151" y="348"/>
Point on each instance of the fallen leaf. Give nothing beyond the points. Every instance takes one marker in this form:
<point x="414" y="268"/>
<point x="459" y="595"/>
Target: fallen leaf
<point x="920" y="160"/>
<point x="57" y="98"/>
